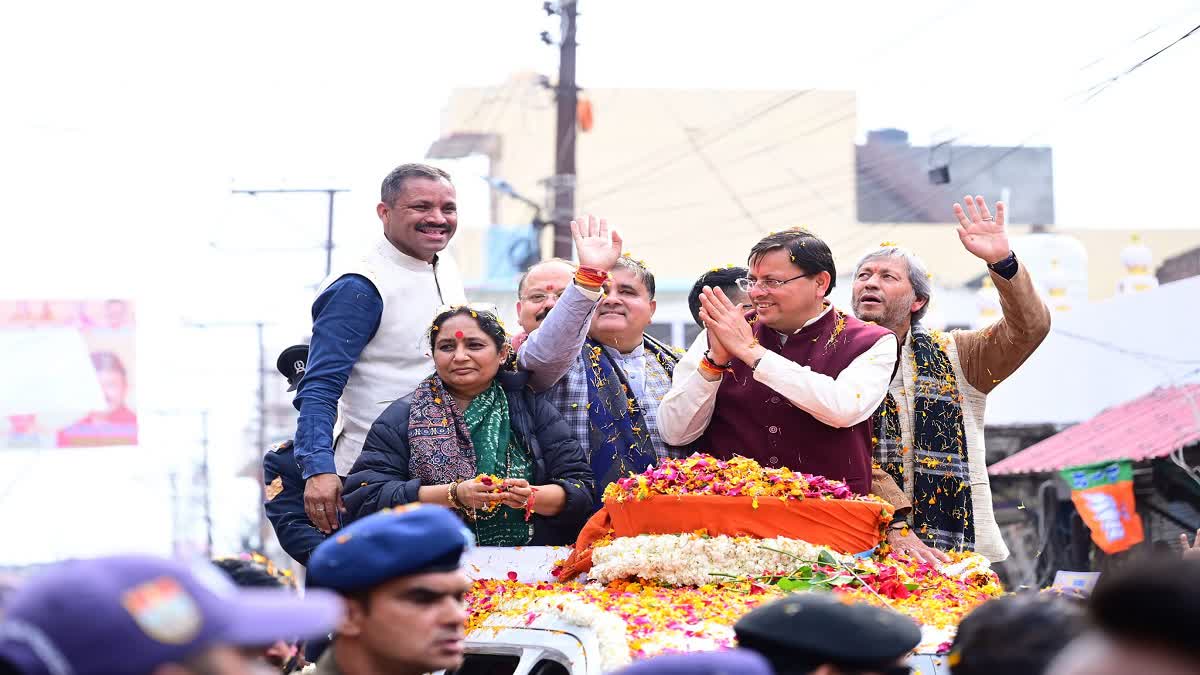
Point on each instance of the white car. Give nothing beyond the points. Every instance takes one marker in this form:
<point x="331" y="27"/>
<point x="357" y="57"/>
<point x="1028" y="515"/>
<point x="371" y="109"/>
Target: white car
<point x="552" y="646"/>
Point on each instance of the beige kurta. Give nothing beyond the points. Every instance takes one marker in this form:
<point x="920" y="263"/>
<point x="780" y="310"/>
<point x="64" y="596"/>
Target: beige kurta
<point x="981" y="359"/>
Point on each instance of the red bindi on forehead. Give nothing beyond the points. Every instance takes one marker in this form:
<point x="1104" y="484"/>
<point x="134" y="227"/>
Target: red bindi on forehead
<point x="458" y="334"/>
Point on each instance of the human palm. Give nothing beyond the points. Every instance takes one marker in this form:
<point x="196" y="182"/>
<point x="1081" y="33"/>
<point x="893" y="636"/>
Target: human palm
<point x="595" y="244"/>
<point x="981" y="234"/>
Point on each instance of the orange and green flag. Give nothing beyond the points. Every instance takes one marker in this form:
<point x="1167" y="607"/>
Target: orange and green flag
<point x="1103" y="495"/>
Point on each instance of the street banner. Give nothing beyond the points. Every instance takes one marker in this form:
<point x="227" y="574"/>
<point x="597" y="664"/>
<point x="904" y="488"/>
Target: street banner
<point x="68" y="368"/>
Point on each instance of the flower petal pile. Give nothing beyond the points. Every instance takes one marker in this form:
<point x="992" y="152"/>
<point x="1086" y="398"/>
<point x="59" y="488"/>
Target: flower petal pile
<point x="702" y="474"/>
<point x="656" y="619"/>
<point x="684" y="591"/>
<point x="933" y="596"/>
<point x="653" y="619"/>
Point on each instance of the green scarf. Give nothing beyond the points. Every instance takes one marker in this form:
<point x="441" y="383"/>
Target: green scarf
<point x="498" y="452"/>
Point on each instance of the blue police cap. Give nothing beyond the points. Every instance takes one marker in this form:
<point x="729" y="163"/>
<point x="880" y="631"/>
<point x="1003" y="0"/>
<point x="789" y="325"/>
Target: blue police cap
<point x="406" y="540"/>
<point x="291" y="364"/>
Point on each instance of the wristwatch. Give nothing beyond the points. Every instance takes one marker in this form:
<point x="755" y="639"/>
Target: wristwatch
<point x="1007" y="267"/>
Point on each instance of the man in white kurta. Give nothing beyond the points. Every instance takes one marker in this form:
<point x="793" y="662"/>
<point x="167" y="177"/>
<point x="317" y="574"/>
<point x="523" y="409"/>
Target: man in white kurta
<point x="945" y="376"/>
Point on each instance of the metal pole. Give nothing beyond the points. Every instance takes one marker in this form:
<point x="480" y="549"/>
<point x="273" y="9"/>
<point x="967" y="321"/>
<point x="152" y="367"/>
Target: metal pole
<point x="259" y="326"/>
<point x="205" y="478"/>
<point x="262" y="428"/>
<point x="262" y="387"/>
<point x="563" y="183"/>
<point x="173" y="480"/>
<point x="329" y="224"/>
<point x="329" y="236"/>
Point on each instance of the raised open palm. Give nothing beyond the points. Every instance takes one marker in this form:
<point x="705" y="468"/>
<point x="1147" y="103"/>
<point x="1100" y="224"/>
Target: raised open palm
<point x="981" y="234"/>
<point x="596" y="245"/>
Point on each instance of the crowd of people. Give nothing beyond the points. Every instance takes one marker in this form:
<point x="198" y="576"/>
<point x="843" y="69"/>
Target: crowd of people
<point x="426" y="427"/>
<point x="410" y="394"/>
<point x="386" y="597"/>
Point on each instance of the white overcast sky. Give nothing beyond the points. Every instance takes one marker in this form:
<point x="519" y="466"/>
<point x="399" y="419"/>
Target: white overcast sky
<point x="124" y="125"/>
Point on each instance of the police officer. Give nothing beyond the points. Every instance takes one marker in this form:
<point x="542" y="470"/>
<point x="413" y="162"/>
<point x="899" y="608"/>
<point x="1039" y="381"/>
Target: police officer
<point x="283" y="494"/>
<point x="817" y="633"/>
<point x="398" y="570"/>
<point x="145" y="614"/>
<point x="284" y="656"/>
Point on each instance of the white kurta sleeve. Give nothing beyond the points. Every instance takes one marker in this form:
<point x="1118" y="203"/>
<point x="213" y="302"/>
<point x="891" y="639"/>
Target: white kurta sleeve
<point x="684" y="413"/>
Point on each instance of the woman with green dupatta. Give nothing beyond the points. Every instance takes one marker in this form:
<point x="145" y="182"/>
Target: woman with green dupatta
<point x="475" y="438"/>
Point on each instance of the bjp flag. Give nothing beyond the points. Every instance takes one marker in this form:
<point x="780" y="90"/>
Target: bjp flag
<point x="1103" y="495"/>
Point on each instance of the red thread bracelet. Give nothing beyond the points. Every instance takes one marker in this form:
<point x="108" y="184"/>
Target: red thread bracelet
<point x="590" y="276"/>
<point x="529" y="503"/>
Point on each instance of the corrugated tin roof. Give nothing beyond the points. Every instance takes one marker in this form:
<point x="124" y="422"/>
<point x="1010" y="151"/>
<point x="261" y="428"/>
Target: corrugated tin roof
<point x="1154" y="425"/>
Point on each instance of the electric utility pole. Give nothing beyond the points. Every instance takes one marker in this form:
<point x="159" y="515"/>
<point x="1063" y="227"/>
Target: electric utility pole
<point x="566" y="94"/>
<point x="328" y="223"/>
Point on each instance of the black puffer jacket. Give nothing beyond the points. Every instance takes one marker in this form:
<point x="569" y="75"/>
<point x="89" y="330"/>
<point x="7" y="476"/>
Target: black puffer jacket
<point x="381" y="478"/>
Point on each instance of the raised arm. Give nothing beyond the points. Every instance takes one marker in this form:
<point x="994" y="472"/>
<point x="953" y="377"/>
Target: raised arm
<point x="991" y="354"/>
<point x="552" y="348"/>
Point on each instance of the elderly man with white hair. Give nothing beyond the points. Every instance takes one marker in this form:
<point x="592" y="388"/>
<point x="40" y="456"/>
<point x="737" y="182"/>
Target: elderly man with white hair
<point x="929" y="429"/>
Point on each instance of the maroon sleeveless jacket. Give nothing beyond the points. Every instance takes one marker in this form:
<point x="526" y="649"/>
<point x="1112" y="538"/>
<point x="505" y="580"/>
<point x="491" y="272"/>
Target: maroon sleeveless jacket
<point x="755" y="421"/>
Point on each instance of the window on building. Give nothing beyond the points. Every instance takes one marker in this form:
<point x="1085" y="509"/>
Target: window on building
<point x="675" y="333"/>
<point x="661" y="332"/>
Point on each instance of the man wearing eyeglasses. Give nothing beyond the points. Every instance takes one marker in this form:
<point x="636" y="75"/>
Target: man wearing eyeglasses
<point x="540" y="289"/>
<point x="794" y="382"/>
<point x="555" y="308"/>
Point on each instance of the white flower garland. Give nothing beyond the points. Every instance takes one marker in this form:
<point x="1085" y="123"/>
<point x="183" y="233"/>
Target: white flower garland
<point x="691" y="560"/>
<point x="610" y="630"/>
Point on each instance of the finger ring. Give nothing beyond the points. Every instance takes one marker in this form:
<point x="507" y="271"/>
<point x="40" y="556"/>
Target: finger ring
<point x="989" y="218"/>
<point x="320" y="508"/>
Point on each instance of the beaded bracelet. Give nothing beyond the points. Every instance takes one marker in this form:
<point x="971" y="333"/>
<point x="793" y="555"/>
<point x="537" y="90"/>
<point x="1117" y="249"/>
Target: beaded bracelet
<point x="452" y="496"/>
<point x="709" y="367"/>
<point x="714" y="364"/>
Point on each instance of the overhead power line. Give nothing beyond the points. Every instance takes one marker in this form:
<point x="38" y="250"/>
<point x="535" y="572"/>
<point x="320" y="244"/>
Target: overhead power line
<point x="811" y="182"/>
